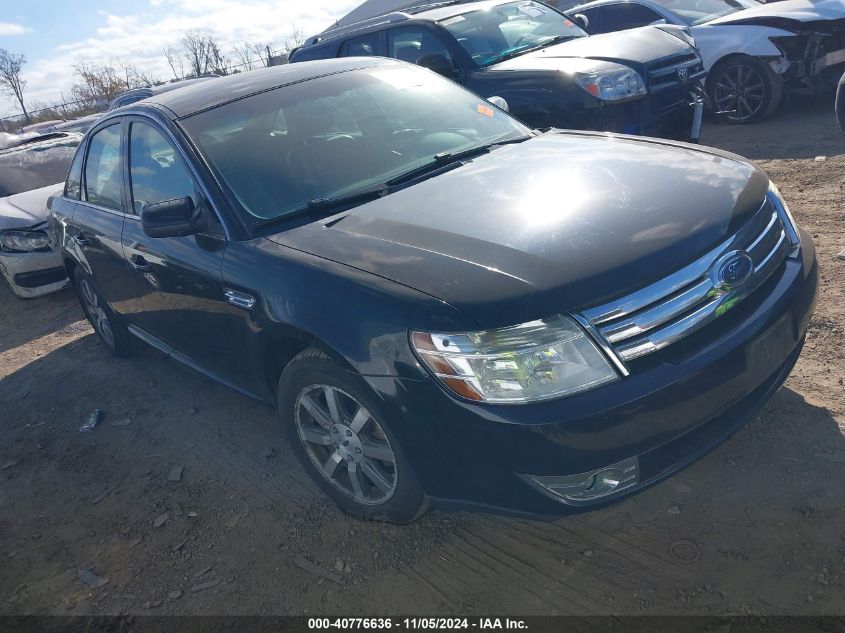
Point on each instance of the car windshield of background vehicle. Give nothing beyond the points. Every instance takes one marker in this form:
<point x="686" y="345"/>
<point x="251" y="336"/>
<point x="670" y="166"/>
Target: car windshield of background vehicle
<point x="491" y="35"/>
<point x="35" y="166"/>
<point x="695" y="12"/>
<point x="332" y="137"/>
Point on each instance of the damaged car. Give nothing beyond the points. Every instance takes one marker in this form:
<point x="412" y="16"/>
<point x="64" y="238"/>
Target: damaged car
<point x="754" y="52"/>
<point x="30" y="167"/>
<point x="545" y="67"/>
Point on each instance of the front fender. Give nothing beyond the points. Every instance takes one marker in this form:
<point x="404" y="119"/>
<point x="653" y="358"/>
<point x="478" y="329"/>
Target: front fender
<point x="361" y="317"/>
<point x="720" y="41"/>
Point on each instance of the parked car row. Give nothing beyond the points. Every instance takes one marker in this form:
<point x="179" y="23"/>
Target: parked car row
<point x="753" y="51"/>
<point x="477" y="315"/>
<point x="547" y="69"/>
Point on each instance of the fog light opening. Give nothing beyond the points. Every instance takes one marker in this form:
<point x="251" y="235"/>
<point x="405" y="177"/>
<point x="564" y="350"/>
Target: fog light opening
<point x="591" y="486"/>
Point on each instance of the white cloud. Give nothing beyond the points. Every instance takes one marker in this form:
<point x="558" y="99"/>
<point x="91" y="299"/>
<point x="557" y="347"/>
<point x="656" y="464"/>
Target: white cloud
<point x="10" y="28"/>
<point x="140" y="38"/>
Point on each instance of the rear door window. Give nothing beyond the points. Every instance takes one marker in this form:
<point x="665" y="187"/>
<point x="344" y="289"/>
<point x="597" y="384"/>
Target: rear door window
<point x="619" y="17"/>
<point x="410" y="45"/>
<point x="364" y="46"/>
<point x="103" y="182"/>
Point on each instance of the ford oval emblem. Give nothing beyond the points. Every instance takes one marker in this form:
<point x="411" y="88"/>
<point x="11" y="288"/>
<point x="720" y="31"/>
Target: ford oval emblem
<point x="733" y="270"/>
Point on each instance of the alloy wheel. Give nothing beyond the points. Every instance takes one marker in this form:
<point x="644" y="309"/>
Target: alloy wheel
<point x="99" y="318"/>
<point x="740" y="92"/>
<point x="346" y="444"/>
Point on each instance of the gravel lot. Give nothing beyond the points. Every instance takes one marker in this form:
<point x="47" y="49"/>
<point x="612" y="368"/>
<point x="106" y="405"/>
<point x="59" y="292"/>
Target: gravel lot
<point x="755" y="527"/>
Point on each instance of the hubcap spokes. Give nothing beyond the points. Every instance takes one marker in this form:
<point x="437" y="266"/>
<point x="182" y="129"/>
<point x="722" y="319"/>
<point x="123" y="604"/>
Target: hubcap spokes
<point x="346" y="444"/>
<point x="99" y="318"/>
<point x="740" y="92"/>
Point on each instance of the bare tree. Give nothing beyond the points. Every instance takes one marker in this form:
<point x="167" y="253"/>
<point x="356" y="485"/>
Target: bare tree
<point x="259" y="49"/>
<point x="11" y="81"/>
<point x="176" y="63"/>
<point x="195" y="44"/>
<point x="134" y="78"/>
<point x="219" y="63"/>
<point x="295" y="40"/>
<point x="246" y="55"/>
<point x="104" y="82"/>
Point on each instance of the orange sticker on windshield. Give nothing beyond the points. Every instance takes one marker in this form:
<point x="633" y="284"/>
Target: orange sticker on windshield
<point x="485" y="110"/>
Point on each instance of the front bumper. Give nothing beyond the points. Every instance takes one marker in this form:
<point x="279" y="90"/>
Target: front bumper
<point x="33" y="275"/>
<point x="673" y="114"/>
<point x="675" y="407"/>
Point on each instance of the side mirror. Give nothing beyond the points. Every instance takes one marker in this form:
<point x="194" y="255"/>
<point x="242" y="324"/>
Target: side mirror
<point x="582" y="20"/>
<point x="500" y="103"/>
<point x="438" y="63"/>
<point x="172" y="218"/>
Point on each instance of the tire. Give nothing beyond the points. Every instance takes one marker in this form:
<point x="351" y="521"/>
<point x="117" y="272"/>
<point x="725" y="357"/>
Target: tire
<point x="759" y="94"/>
<point x="106" y="323"/>
<point x="349" y="438"/>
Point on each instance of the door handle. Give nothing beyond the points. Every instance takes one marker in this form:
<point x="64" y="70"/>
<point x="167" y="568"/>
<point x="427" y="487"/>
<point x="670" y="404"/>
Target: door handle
<point x="81" y="240"/>
<point x="140" y="264"/>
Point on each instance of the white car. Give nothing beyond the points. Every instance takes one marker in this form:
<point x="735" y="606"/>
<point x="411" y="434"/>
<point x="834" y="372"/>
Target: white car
<point x="753" y="51"/>
<point x="29" y="171"/>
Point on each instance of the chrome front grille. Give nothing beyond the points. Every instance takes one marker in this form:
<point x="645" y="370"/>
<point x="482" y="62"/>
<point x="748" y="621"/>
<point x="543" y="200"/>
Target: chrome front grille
<point x="674" y="70"/>
<point x="658" y="315"/>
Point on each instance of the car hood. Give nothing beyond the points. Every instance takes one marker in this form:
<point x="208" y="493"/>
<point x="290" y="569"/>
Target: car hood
<point x="637" y="46"/>
<point x="795" y="11"/>
<point x="558" y="222"/>
<point x="27" y="209"/>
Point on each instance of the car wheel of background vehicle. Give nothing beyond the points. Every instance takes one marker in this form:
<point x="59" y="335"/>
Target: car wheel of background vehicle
<point x="106" y="323"/>
<point x="344" y="442"/>
<point x="744" y="90"/>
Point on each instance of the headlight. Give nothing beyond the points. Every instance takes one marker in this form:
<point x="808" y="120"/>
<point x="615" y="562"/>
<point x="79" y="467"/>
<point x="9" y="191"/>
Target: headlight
<point x="789" y="224"/>
<point x="539" y="360"/>
<point x="23" y="241"/>
<point x="612" y="85"/>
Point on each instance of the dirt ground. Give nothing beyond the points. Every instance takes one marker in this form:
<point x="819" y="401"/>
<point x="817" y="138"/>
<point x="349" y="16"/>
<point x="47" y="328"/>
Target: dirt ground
<point x="755" y="527"/>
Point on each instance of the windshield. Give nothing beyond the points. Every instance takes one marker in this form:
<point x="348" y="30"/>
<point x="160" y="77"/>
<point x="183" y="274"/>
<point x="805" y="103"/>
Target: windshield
<point x="35" y="165"/>
<point x="334" y="136"/>
<point x="695" y="12"/>
<point x="490" y="35"/>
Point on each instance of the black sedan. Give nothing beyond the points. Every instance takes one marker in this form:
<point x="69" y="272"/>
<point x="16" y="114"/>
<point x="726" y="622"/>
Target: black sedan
<point x="548" y="69"/>
<point x="443" y="304"/>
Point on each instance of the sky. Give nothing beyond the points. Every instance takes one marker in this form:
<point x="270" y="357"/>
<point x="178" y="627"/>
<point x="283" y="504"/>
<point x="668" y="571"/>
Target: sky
<point x="55" y="35"/>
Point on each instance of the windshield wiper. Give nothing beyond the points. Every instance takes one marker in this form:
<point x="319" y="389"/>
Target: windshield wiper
<point x="329" y="206"/>
<point x="446" y="161"/>
<point x="441" y="162"/>
<point x="559" y="39"/>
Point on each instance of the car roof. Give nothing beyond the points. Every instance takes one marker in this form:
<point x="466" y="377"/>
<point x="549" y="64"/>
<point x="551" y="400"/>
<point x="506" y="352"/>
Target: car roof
<point x="422" y="12"/>
<point x="209" y="94"/>
<point x="177" y="84"/>
<point x="451" y="10"/>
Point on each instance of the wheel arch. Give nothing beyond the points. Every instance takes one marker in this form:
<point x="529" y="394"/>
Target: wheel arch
<point x="281" y="347"/>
